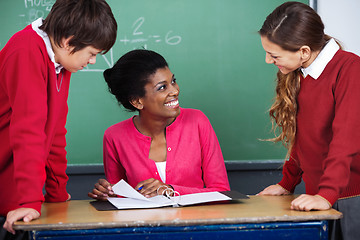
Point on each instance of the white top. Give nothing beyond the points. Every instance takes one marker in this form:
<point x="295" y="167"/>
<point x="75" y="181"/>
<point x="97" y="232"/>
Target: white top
<point x="161" y="167"/>
<point x="35" y="26"/>
<point x="318" y="65"/>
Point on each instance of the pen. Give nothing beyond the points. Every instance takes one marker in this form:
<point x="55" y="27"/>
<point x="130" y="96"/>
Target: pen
<point x="140" y="188"/>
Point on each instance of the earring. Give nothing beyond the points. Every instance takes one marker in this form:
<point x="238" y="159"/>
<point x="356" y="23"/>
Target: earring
<point x="140" y="106"/>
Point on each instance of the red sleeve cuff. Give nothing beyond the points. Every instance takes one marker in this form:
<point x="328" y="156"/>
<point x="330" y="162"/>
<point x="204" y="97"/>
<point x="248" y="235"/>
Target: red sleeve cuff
<point x="60" y="195"/>
<point x="285" y="185"/>
<point x="328" y="195"/>
<point x="33" y="205"/>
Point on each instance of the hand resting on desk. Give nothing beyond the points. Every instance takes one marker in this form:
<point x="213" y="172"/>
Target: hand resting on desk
<point x="275" y="190"/>
<point x="304" y="202"/>
<point x="26" y="214"/>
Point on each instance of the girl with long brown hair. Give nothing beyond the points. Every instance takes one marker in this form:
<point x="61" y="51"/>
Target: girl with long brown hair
<point x="316" y="113"/>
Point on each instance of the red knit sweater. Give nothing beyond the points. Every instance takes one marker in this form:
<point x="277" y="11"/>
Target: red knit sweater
<point x="326" y="153"/>
<point x="32" y="124"/>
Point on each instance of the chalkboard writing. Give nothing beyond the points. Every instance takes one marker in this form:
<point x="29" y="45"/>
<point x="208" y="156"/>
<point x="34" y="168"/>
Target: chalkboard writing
<point x="137" y="37"/>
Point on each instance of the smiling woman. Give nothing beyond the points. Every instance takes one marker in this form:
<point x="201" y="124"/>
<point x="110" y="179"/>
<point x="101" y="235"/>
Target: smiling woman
<point x="164" y="146"/>
<point x="161" y="98"/>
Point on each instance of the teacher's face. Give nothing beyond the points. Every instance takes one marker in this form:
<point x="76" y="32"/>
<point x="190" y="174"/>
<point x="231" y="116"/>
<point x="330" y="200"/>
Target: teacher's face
<point x="161" y="95"/>
<point x="286" y="61"/>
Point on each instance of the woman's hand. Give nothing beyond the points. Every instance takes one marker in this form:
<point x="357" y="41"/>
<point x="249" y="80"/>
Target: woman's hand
<point x="307" y="202"/>
<point x="102" y="190"/>
<point x="274" y="190"/>
<point x="149" y="187"/>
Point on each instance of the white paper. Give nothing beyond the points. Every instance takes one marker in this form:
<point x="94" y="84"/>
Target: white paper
<point x="122" y="188"/>
<point x="197" y="198"/>
<point x="127" y="203"/>
<point x="134" y="199"/>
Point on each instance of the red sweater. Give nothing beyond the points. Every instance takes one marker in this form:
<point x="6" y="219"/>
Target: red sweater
<point x="32" y="124"/>
<point x="326" y="153"/>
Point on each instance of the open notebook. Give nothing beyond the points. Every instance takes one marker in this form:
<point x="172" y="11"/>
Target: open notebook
<point x="133" y="199"/>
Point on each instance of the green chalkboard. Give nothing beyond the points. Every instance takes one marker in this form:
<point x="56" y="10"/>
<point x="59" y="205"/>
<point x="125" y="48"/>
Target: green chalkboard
<point x="212" y="47"/>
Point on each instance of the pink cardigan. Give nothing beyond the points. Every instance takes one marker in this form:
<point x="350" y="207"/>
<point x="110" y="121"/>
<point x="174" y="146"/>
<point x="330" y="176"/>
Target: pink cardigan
<point x="194" y="159"/>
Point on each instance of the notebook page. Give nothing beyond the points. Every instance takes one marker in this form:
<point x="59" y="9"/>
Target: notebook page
<point x="197" y="198"/>
<point x="131" y="203"/>
<point x="122" y="188"/>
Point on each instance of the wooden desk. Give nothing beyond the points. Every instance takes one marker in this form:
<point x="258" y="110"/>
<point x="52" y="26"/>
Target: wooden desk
<point x="257" y="217"/>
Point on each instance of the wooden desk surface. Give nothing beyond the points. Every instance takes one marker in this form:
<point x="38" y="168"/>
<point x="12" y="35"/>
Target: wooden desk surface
<point x="79" y="214"/>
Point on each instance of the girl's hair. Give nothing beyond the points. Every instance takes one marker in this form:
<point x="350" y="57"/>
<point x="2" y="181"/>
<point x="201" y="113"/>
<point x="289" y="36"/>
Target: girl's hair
<point x="88" y="22"/>
<point x="128" y="77"/>
<point x="291" y="26"/>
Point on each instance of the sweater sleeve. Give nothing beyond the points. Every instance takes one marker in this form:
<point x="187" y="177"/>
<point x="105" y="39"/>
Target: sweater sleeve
<point x="213" y="166"/>
<point x="26" y="85"/>
<point x="114" y="171"/>
<point x="292" y="173"/>
<point x="346" y="132"/>
<point x="56" y="177"/>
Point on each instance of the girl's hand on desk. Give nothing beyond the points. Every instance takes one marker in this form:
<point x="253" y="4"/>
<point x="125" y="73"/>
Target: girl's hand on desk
<point x="307" y="202"/>
<point x="149" y="187"/>
<point x="26" y="214"/>
<point x="275" y="189"/>
<point x="102" y="190"/>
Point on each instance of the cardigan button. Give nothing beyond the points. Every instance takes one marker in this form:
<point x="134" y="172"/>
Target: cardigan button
<point x="169" y="149"/>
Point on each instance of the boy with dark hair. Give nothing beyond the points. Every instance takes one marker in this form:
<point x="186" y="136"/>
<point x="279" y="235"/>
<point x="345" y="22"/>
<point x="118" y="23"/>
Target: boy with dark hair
<point x="35" y="69"/>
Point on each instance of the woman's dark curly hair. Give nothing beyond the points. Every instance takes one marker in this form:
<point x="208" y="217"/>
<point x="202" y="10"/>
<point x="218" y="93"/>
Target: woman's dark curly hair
<point x="128" y="77"/>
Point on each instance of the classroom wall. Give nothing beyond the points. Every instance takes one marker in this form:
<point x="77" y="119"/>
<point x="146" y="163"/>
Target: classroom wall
<point x="341" y="20"/>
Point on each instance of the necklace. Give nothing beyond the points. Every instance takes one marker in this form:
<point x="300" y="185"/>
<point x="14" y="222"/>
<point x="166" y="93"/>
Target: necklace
<point x="58" y="88"/>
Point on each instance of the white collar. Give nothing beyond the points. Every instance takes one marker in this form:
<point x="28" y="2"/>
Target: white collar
<point x="35" y="26"/>
<point x="318" y="65"/>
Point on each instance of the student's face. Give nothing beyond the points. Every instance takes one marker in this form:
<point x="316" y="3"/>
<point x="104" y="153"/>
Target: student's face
<point x="161" y="95"/>
<point x="286" y="61"/>
<point x="74" y="62"/>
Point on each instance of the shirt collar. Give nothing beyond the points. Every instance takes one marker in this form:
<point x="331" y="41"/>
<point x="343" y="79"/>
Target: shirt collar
<point x="318" y="65"/>
<point x="35" y="26"/>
